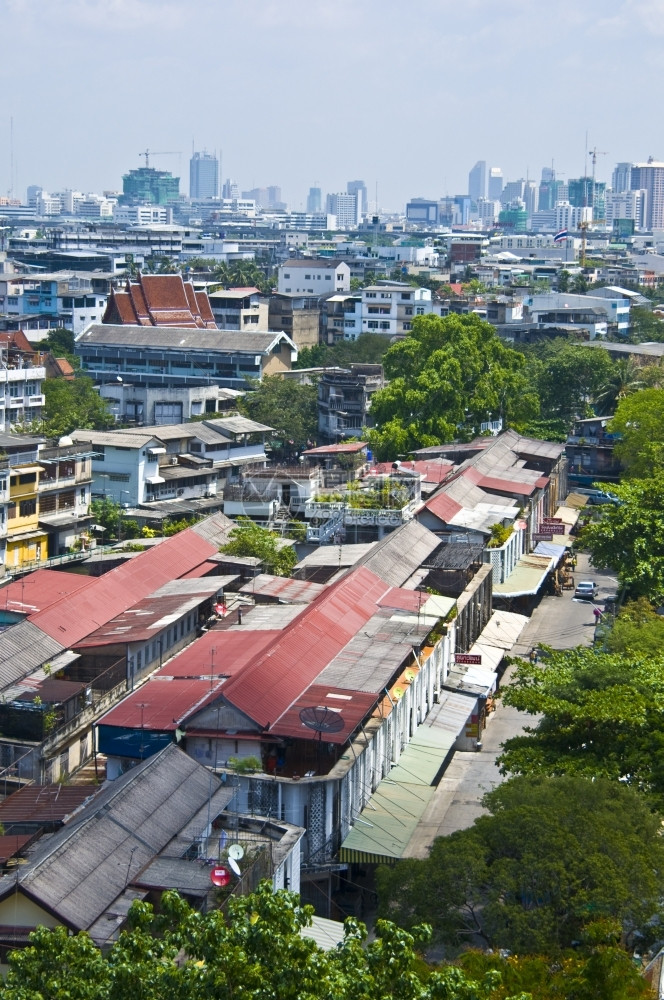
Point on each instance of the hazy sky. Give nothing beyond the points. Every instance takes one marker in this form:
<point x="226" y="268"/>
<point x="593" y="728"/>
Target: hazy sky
<point x="406" y="94"/>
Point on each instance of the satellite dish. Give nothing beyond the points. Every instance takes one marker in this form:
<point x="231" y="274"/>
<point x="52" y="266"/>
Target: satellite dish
<point x="321" y="720"/>
<point x="234" y="866"/>
<point x="220" y="876"/>
<point x="236" y="852"/>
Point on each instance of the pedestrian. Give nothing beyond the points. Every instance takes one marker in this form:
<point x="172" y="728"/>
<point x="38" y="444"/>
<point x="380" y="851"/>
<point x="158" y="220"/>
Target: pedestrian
<point x="598" y="614"/>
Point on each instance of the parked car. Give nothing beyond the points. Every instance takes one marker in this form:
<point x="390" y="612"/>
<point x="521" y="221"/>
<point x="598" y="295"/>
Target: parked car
<point x="586" y="590"/>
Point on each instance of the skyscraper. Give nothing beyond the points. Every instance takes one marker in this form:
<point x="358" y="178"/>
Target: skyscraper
<point x="353" y="187"/>
<point x="621" y="179"/>
<point x="203" y="176"/>
<point x="495" y="183"/>
<point x="477" y="181"/>
<point x="314" y="201"/>
<point x="346" y="207"/>
<point x="649" y="177"/>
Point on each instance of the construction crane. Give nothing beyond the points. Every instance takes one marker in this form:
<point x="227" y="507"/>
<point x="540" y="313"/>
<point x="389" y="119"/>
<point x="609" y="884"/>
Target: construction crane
<point x="587" y="223"/>
<point x="147" y="153"/>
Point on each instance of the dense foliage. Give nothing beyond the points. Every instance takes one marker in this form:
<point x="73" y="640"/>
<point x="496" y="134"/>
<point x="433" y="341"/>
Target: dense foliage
<point x="448" y="377"/>
<point x="600" y="716"/>
<point x="72" y="405"/>
<point x="249" y="539"/>
<point x="288" y="407"/>
<point x="553" y="855"/>
<point x="639" y="420"/>
<point x="257" y="953"/>
<point x="629" y="537"/>
<point x="369" y="348"/>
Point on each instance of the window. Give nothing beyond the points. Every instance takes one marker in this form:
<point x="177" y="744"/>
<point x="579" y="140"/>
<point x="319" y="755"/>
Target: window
<point x="287" y="276"/>
<point x="307" y="277"/>
<point x="406" y="295"/>
<point x="27" y="508"/>
<point x="373" y="324"/>
<point x="408" y="326"/>
<point x="408" y="311"/>
<point x="371" y="295"/>
<point x="328" y="277"/>
<point x="118" y="477"/>
<point x="420" y="311"/>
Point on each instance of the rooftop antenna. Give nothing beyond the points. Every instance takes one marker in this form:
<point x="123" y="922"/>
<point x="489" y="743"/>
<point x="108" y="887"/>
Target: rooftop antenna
<point x="11" y="157"/>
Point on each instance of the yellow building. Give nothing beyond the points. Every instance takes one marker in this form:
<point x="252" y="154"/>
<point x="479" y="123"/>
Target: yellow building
<point x="27" y="543"/>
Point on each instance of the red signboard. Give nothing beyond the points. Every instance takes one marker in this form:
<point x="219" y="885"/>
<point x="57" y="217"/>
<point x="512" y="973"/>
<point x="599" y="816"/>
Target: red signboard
<point x="467" y="658"/>
<point x="552" y="520"/>
<point x="552" y="529"/>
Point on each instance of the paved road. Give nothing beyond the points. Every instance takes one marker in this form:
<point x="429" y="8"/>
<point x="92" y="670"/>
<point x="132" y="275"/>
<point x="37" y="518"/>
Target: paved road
<point x="559" y="622"/>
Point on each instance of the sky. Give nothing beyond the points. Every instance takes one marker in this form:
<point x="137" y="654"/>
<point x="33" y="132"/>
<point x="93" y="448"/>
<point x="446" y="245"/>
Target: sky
<point x="405" y="95"/>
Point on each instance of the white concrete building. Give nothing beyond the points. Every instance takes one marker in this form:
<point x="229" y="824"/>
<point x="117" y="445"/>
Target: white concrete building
<point x="347" y="208"/>
<point x="21" y="396"/>
<point x="570" y="216"/>
<point x="143" y="215"/>
<point x="314" y="277"/>
<point x="627" y="205"/>
<point x="387" y="309"/>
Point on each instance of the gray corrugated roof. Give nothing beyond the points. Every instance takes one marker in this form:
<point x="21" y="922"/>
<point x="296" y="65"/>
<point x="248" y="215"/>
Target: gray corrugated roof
<point x="118" y="439"/>
<point x="160" y="337"/>
<point x="237" y="425"/>
<point x="23" y="648"/>
<point x="84" y="867"/>
<point x="401" y="553"/>
<point x="214" y="528"/>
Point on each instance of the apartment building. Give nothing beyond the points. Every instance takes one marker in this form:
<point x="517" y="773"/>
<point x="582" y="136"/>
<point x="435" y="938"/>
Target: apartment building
<point x="243" y="309"/>
<point x="297" y="315"/>
<point x="314" y="277"/>
<point x="344" y="400"/>
<point x="389" y="309"/>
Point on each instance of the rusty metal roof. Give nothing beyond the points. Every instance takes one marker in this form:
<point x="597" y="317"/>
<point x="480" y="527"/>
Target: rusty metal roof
<point x="350" y="706"/>
<point x="40" y="589"/>
<point x="162" y="703"/>
<point x="71" y="619"/>
<point x="44" y="803"/>
<point x="277" y="677"/>
<point x="282" y="589"/>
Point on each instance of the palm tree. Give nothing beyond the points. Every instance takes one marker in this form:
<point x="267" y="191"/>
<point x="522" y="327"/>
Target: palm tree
<point x="625" y="379"/>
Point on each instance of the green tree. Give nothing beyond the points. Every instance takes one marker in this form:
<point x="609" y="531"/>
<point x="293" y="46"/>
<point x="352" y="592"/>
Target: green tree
<point x="644" y="326"/>
<point x="637" y="631"/>
<point x="600" y="716"/>
<point x="288" y="407"/>
<point x="368" y="349"/>
<point x="563" y="280"/>
<point x="629" y="537"/>
<point x="568" y="377"/>
<point x="639" y="420"/>
<point x="552" y="855"/>
<point x="256" y="952"/>
<point x="624" y="380"/>
<point x="249" y="539"/>
<point x="447" y="377"/>
<point x="60" y="343"/>
<point x="72" y="405"/>
<point x="597" y="969"/>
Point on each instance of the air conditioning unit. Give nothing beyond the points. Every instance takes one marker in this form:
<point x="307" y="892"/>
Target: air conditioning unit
<point x="174" y="460"/>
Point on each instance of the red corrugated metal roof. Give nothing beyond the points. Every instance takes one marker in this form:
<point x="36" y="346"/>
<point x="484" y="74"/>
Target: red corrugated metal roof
<point x="276" y="678"/>
<point x="12" y="844"/>
<point x="443" y="506"/>
<point x="209" y="567"/>
<point x="141" y="621"/>
<point x="232" y="651"/>
<point x="506" y="486"/>
<point x="44" y="803"/>
<point x="72" y="619"/>
<point x="336" y="449"/>
<point x="403" y="600"/>
<point x="161" y="703"/>
<point x="434" y="471"/>
<point x="351" y="706"/>
<point x="40" y="589"/>
<point x="283" y="588"/>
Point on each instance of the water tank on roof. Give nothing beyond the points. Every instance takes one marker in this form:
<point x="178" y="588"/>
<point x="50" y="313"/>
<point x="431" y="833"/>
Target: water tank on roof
<point x="64" y="441"/>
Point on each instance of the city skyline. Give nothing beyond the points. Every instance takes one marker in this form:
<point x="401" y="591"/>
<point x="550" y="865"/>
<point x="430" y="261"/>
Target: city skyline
<point x="502" y="83"/>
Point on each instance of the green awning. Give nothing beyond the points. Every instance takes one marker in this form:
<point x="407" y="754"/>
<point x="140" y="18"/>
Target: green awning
<point x="383" y="829"/>
<point x="527" y="577"/>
